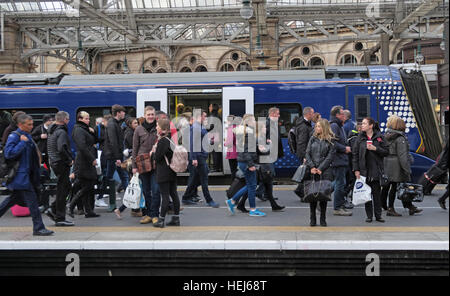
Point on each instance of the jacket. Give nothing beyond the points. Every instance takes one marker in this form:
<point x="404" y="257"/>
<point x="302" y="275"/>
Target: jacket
<point x="246" y="145"/>
<point x="86" y="153"/>
<point x="341" y="158"/>
<point x="348" y="126"/>
<point x="27" y="176"/>
<point x="143" y="141"/>
<point x="36" y="134"/>
<point x="275" y="130"/>
<point x="12" y="127"/>
<point x="230" y="143"/>
<point x="303" y="132"/>
<point x="163" y="172"/>
<point x="58" y="145"/>
<point x="128" y="138"/>
<point x="196" y="130"/>
<point x="397" y="165"/>
<point x="369" y="163"/>
<point x="114" y="140"/>
<point x="320" y="155"/>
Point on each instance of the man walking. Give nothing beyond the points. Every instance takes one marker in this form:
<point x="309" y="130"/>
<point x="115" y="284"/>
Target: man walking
<point x="20" y="146"/>
<point x="60" y="158"/>
<point x="303" y="132"/>
<point x="340" y="164"/>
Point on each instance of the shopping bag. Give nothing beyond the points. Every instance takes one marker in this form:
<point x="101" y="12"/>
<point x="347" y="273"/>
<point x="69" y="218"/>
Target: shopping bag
<point x="362" y="192"/>
<point x="132" y="196"/>
<point x="300" y="174"/>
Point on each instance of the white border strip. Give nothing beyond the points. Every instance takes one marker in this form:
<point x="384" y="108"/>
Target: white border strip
<point x="349" y="245"/>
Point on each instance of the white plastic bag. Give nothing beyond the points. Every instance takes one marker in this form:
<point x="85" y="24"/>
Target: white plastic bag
<point x="362" y="192"/>
<point x="132" y="196"/>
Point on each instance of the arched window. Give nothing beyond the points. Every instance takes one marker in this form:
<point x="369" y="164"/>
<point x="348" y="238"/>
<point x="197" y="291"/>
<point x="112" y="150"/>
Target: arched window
<point x="348" y="59"/>
<point x="148" y="71"/>
<point x="201" y="69"/>
<point x="161" y="70"/>
<point x="399" y="58"/>
<point x="227" y="68"/>
<point x="316" y="62"/>
<point x="244" y="66"/>
<point x="297" y="63"/>
<point x="185" y="69"/>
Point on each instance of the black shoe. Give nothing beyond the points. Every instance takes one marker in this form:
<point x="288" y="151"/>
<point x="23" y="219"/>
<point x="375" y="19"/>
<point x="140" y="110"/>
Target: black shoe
<point x="64" y="223"/>
<point x="43" y="232"/>
<point x="278" y="208"/>
<point x="261" y="198"/>
<point x="160" y="223"/>
<point x="242" y="208"/>
<point x="312" y="221"/>
<point x="91" y="215"/>
<point x="380" y="220"/>
<point x="442" y="204"/>
<point x="323" y="223"/>
<point x="174" y="222"/>
<point x="369" y="220"/>
<point x="50" y="214"/>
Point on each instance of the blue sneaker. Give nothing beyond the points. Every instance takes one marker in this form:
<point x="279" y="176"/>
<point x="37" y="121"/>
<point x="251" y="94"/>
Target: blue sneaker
<point x="257" y="213"/>
<point x="213" y="204"/>
<point x="230" y="206"/>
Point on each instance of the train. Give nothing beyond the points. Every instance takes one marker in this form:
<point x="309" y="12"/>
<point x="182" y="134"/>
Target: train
<point x="375" y="91"/>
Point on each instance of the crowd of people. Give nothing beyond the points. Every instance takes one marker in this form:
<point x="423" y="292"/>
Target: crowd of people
<point x="338" y="150"/>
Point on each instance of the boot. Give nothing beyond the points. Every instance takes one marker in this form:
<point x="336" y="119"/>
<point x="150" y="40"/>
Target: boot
<point x="112" y="195"/>
<point x="175" y="221"/>
<point x="312" y="210"/>
<point x="275" y="207"/>
<point x="393" y="213"/>
<point x="323" y="215"/>
<point x="441" y="203"/>
<point x="241" y="204"/>
<point x="414" y="210"/>
<point x="160" y="223"/>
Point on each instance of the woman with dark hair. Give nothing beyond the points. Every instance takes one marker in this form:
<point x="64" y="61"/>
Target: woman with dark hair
<point x="132" y="124"/>
<point x="165" y="176"/>
<point x="368" y="153"/>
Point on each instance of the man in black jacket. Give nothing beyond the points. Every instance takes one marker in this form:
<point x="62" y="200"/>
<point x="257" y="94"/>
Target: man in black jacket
<point x="303" y="131"/>
<point x="340" y="164"/>
<point x="113" y="149"/>
<point x="40" y="135"/>
<point x="60" y="158"/>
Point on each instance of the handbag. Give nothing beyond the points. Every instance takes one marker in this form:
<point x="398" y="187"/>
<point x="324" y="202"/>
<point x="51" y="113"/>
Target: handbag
<point x="318" y="190"/>
<point x="143" y="163"/>
<point x="265" y="173"/>
<point x="410" y="192"/>
<point x="300" y="174"/>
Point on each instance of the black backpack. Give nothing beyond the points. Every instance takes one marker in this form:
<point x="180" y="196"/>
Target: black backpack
<point x="8" y="167"/>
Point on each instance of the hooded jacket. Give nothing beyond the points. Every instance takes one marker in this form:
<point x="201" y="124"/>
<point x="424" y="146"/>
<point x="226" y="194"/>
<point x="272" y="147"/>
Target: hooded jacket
<point x="397" y="165"/>
<point x="341" y="158"/>
<point x="58" y="145"/>
<point x="86" y="153"/>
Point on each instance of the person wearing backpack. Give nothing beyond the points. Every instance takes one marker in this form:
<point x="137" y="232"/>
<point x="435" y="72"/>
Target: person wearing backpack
<point x="165" y="176"/>
<point x="20" y="147"/>
<point x="303" y="131"/>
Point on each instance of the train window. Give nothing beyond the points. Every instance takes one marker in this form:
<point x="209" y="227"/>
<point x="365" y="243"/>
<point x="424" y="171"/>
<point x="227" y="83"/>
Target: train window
<point x="95" y="112"/>
<point x="362" y="107"/>
<point x="36" y="113"/>
<point x="288" y="113"/>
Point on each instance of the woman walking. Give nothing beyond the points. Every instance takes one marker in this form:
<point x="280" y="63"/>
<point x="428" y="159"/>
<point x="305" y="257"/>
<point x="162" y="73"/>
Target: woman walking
<point x="85" y="164"/>
<point x="230" y="143"/>
<point x="165" y="176"/>
<point x="246" y="142"/>
<point x="368" y="153"/>
<point x="397" y="165"/>
<point x="320" y="153"/>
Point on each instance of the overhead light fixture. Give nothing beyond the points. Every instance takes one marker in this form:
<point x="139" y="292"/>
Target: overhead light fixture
<point x="80" y="51"/>
<point x="126" y="70"/>
<point x="246" y="10"/>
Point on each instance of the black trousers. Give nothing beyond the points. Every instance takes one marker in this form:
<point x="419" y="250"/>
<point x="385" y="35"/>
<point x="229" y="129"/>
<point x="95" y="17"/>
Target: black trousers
<point x="62" y="172"/>
<point x="85" y="194"/>
<point x="169" y="190"/>
<point x="374" y="206"/>
<point x="233" y="168"/>
<point x="444" y="196"/>
<point x="391" y="191"/>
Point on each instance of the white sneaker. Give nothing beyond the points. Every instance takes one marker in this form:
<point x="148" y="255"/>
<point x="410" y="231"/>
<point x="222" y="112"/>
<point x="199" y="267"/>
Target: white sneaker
<point x="100" y="203"/>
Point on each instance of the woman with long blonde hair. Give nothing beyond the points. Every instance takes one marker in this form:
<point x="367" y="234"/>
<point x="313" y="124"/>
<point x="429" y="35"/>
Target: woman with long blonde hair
<point x="319" y="156"/>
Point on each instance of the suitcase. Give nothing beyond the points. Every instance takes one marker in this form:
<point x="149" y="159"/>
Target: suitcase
<point x="19" y="211"/>
<point x="235" y="186"/>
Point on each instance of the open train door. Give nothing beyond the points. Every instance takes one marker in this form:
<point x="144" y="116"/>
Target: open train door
<point x="236" y="101"/>
<point x="156" y="97"/>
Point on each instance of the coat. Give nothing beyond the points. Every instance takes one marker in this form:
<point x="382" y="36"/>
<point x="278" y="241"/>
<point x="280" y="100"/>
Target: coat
<point x="86" y="153"/>
<point x="320" y="155"/>
<point x="230" y="143"/>
<point x="341" y="158"/>
<point x="164" y="173"/>
<point x="36" y="134"/>
<point x="28" y="173"/>
<point x="58" y="145"/>
<point x="303" y="132"/>
<point x="397" y="165"/>
<point x="143" y="141"/>
<point x="369" y="163"/>
<point x="246" y="145"/>
<point x="114" y="141"/>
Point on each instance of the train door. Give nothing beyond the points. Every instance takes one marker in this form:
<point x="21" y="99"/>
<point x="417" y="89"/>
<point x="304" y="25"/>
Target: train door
<point x="156" y="97"/>
<point x="359" y="102"/>
<point x="236" y="101"/>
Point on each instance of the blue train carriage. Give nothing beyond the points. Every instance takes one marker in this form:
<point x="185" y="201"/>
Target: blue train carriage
<point x="375" y="91"/>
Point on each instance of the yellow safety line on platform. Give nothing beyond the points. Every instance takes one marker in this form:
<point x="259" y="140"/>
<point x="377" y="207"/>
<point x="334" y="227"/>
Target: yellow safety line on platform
<point x="234" y="228"/>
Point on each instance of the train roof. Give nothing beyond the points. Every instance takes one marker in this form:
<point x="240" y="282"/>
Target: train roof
<point x="330" y="72"/>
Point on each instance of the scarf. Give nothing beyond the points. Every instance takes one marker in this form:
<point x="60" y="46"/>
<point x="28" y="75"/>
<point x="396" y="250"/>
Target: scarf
<point x="149" y="126"/>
